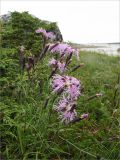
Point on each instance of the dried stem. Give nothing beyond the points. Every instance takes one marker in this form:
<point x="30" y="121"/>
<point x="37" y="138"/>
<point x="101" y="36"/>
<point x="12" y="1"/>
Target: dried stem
<point x="76" y="67"/>
<point x="53" y="72"/>
<point x="116" y="91"/>
<point x="94" y="96"/>
<point x="43" y="53"/>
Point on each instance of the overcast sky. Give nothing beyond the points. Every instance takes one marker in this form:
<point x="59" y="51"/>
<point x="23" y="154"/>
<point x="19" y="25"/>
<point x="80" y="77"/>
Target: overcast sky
<point x="80" y="21"/>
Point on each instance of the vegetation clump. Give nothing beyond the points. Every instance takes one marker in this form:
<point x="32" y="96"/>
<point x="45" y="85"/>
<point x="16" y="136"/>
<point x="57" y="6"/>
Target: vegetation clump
<point x="30" y="127"/>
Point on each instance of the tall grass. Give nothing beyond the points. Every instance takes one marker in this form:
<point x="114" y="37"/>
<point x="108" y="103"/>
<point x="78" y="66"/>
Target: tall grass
<point x="30" y="131"/>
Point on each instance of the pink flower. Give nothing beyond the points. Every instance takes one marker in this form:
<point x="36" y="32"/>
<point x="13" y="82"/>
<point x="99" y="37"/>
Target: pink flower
<point x="60" y="48"/>
<point x="74" y="91"/>
<point x="52" y="62"/>
<point x="66" y="105"/>
<point x="49" y="35"/>
<point x="68" y="116"/>
<point x="61" y="65"/>
<point x="70" y="85"/>
<point x="62" y="104"/>
<point x="63" y="48"/>
<point x="73" y="87"/>
<point x="41" y="30"/>
<point x="73" y="80"/>
<point x="58" y="83"/>
<point x="66" y="109"/>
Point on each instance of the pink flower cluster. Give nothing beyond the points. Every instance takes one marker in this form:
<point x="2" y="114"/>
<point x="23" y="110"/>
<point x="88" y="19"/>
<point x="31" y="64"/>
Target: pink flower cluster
<point x="64" y="49"/>
<point x="70" y="85"/>
<point x="49" y="35"/>
<point x="66" y="109"/>
<point x="71" y="91"/>
<point x="54" y="63"/>
<point x="67" y="87"/>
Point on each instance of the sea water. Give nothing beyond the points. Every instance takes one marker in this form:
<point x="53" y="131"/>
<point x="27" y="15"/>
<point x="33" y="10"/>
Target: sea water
<point x="106" y="48"/>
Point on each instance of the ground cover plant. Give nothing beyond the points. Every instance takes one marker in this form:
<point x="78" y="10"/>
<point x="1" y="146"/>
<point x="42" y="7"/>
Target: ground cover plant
<point x="30" y="126"/>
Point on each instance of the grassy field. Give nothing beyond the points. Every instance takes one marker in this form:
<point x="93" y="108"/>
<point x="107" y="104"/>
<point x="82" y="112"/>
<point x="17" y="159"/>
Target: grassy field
<point x="30" y="131"/>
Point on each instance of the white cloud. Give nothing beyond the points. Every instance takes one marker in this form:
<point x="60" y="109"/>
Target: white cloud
<point x="79" y="21"/>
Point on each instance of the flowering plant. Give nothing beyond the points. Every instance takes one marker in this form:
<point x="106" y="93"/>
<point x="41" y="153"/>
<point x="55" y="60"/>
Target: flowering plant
<point x="68" y="88"/>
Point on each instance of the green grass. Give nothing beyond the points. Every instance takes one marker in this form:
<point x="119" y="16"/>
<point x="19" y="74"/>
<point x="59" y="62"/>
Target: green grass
<point x="30" y="131"/>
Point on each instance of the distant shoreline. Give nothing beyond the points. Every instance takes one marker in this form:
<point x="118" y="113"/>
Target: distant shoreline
<point x="106" y="48"/>
<point x="94" y="45"/>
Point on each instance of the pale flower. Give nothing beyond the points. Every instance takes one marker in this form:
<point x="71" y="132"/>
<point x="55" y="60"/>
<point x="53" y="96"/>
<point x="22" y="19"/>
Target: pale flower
<point x="64" y="49"/>
<point x="49" y="35"/>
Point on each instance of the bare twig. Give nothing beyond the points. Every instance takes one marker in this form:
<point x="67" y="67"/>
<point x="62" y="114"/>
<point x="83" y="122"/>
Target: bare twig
<point x="76" y="67"/>
<point x="94" y="96"/>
